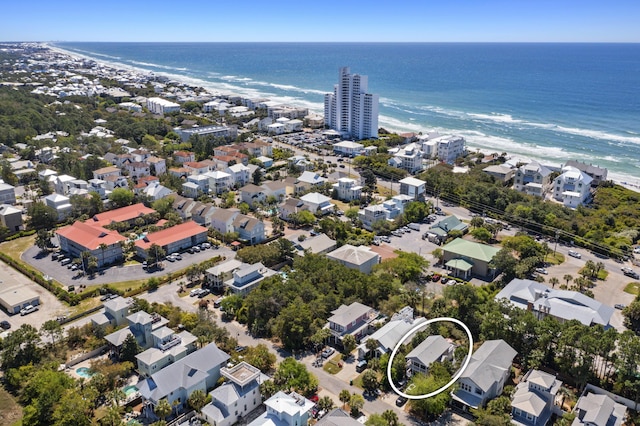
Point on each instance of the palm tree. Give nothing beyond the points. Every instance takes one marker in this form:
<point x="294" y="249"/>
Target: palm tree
<point x="553" y="281"/>
<point x="391" y="417"/>
<point x="197" y="400"/>
<point x="344" y="397"/>
<point x="113" y="417"/>
<point x="325" y="403"/>
<point x="163" y="409"/>
<point x="356" y="402"/>
<point x="568" y="278"/>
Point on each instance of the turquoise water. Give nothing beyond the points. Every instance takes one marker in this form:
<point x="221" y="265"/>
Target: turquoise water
<point x="550" y="101"/>
<point x="84" y="372"/>
<point x="129" y="390"/>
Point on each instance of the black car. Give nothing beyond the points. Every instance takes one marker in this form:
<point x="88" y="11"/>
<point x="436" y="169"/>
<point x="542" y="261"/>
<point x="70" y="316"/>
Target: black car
<point x="5" y="325"/>
<point x="401" y="401"/>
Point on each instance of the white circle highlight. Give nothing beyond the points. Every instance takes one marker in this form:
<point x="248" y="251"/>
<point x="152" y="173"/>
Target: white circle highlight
<point x="464" y="366"/>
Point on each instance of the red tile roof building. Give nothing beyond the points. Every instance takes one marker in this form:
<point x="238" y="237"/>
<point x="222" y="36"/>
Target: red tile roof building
<point x="105" y="245"/>
<point x="124" y="214"/>
<point x="173" y="239"/>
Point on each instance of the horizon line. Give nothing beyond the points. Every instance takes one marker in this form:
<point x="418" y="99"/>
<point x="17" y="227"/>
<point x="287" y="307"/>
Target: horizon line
<point x="330" y="42"/>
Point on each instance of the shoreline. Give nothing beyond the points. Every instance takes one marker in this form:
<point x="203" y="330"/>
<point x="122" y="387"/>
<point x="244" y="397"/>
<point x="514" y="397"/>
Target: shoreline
<point x="626" y="180"/>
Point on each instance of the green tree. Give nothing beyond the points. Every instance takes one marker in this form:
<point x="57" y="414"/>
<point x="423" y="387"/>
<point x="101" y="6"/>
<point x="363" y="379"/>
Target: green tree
<point x="121" y="197"/>
<point x="481" y="234"/>
<point x="197" y="400"/>
<point x="73" y="409"/>
<point x="294" y="375"/>
<point x="344" y="397"/>
<point x="370" y="381"/>
<point x="376" y="419"/>
<point x="326" y="403"/>
<point x="415" y="211"/>
<point x="43" y="239"/>
<point x="129" y="349"/>
<point x="268" y="388"/>
<point x="54" y="331"/>
<point x="21" y="347"/>
<point x="260" y="357"/>
<point x="349" y="343"/>
<point x="163" y="409"/>
<point x="391" y="418"/>
<point x="154" y="254"/>
<point x="41" y="216"/>
<point x="256" y="177"/>
<point x="356" y="402"/>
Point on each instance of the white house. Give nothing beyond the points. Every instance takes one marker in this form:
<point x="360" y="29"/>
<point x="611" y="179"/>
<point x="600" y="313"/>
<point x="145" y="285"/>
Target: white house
<point x="219" y="181"/>
<point x="60" y="203"/>
<point x="285" y="410"/>
<point x="348" y="148"/>
<point x="348" y="189"/>
<point x="239" y="174"/>
<point x="532" y="179"/>
<point x="247" y="277"/>
<point x="236" y="397"/>
<point x="572" y="187"/>
<point x="413" y="187"/>
<point x="534" y="399"/>
<point x="318" y="203"/>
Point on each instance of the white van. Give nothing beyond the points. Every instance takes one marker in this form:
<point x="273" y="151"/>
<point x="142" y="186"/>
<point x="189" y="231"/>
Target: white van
<point x="414" y="226"/>
<point x="65" y="261"/>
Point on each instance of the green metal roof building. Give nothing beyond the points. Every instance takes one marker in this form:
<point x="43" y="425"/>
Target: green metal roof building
<point x="466" y="258"/>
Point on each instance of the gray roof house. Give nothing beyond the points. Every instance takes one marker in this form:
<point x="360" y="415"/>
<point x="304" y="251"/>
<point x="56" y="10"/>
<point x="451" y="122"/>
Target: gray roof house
<point x="563" y="305"/>
<point x="338" y="417"/>
<point x="534" y="399"/>
<point x="484" y="378"/>
<point x="361" y="258"/>
<point x="598" y="410"/>
<point x="432" y="349"/>
<point x="237" y="397"/>
<point x="354" y="319"/>
<point x="446" y="225"/>
<point x="198" y="370"/>
<point x="390" y="334"/>
<point x="247" y="277"/>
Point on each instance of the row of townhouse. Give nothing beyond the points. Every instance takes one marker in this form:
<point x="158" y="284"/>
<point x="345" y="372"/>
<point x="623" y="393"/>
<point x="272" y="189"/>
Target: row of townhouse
<point x="224" y="221"/>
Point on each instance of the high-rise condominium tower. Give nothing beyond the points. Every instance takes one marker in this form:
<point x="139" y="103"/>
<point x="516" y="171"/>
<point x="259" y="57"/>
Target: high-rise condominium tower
<point x="350" y="110"/>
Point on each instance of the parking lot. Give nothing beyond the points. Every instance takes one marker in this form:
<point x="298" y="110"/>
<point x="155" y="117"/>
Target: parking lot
<point x="49" y="308"/>
<point x="118" y="273"/>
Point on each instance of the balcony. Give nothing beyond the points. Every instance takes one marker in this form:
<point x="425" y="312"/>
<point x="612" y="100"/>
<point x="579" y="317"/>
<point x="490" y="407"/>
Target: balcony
<point x="173" y="341"/>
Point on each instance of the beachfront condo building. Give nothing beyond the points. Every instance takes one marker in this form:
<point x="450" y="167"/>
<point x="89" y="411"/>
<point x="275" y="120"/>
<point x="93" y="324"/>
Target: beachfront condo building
<point x="350" y="110"/>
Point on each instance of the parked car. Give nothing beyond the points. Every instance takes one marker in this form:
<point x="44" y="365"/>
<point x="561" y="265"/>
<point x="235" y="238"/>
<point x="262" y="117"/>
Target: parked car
<point x="327" y="352"/>
<point x="361" y="366"/>
<point x="28" y="310"/>
<point x="401" y="401"/>
<point x="5" y="325"/>
<point x="203" y="293"/>
<point x="619" y="306"/>
<point x="65" y="261"/>
<point x="206" y="245"/>
<point x="196" y="249"/>
<point x="542" y="271"/>
<point x="575" y="254"/>
<point x="195" y="292"/>
<point x="177" y="256"/>
<point x="435" y="278"/>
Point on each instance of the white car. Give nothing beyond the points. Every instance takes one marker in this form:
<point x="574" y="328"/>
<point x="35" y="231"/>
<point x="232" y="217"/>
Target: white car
<point x="28" y="310"/>
<point x="575" y="254"/>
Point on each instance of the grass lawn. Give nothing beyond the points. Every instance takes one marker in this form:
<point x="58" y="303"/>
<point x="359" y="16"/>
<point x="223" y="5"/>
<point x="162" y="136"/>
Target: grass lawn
<point x="602" y="275"/>
<point x="331" y="365"/>
<point x="632" y="288"/>
<point x="385" y="192"/>
<point x="555" y="259"/>
<point x="10" y="411"/>
<point x="16" y="247"/>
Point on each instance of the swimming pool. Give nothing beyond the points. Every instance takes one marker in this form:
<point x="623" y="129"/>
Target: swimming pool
<point x="129" y="390"/>
<point x="84" y="372"/>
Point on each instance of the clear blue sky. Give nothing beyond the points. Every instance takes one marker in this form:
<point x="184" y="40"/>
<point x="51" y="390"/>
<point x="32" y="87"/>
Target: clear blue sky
<point x="325" y="20"/>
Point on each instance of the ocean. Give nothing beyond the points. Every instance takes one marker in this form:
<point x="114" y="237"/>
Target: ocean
<point x="551" y="102"/>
